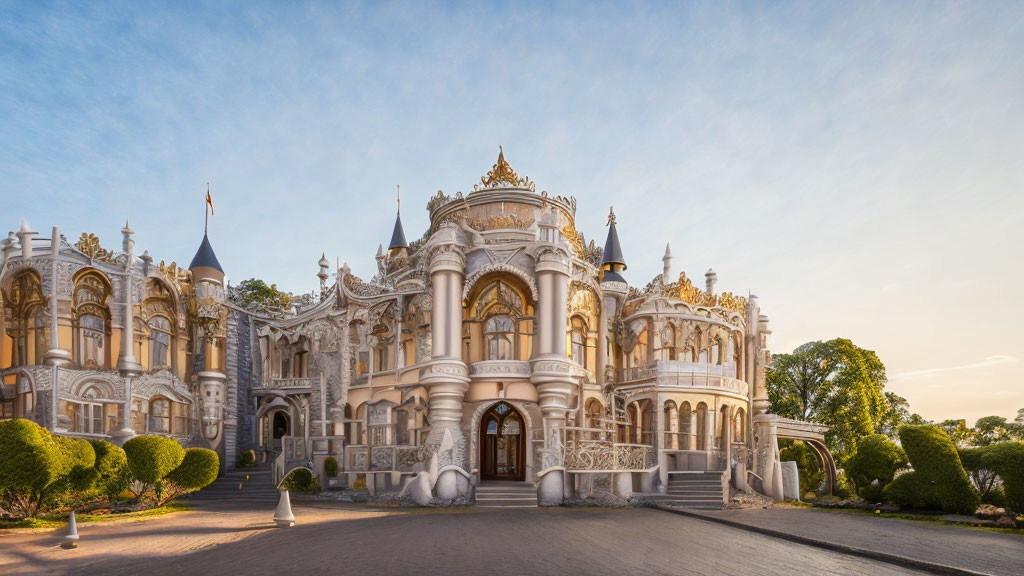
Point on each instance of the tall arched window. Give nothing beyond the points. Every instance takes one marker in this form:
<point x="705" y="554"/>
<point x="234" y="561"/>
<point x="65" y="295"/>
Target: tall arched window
<point x="686" y="426"/>
<point x="92" y="319"/>
<point x="578" y="341"/>
<point x="159" y="342"/>
<point x="740" y="426"/>
<point x="500" y="332"/>
<point x="28" y="328"/>
<point x="670" y="342"/>
<point x="702" y="427"/>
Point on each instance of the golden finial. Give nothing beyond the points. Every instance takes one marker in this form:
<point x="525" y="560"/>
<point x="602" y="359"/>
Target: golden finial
<point x="611" y="216"/>
<point x="501" y="172"/>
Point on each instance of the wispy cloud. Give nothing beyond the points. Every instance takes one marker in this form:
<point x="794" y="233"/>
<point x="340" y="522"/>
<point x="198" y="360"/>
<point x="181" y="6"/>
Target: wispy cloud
<point x="986" y="363"/>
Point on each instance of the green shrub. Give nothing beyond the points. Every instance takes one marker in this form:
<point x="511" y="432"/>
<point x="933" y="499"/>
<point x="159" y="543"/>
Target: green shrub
<point x="872" y="493"/>
<point x="31" y="462"/>
<point x="112" y="475"/>
<point x="78" y="460"/>
<point x="245" y="459"/>
<point x="198" y="469"/>
<point x="300" y="480"/>
<point x="938" y="480"/>
<point x="1007" y="460"/>
<point x="150" y="459"/>
<point x="877" y="459"/>
<point x="331" y="467"/>
<point x="811" y="472"/>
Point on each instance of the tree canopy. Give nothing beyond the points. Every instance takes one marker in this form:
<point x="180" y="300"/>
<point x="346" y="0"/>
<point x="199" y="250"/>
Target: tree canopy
<point x="838" y="384"/>
<point x="254" y="293"/>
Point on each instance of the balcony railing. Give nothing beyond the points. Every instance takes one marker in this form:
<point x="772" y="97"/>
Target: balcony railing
<point x="684" y="374"/>
<point x="285" y="383"/>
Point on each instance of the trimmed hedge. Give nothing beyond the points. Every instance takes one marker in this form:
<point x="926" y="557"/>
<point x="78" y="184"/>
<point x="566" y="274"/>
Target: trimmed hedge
<point x="198" y="470"/>
<point x="112" y="475"/>
<point x="1005" y="459"/>
<point x="31" y="462"/>
<point x="300" y="480"/>
<point x="877" y="459"/>
<point x="938" y="479"/>
<point x="331" y="467"/>
<point x="245" y="459"/>
<point x="150" y="459"/>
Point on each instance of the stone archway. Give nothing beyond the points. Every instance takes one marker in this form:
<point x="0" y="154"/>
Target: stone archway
<point x="502" y="445"/>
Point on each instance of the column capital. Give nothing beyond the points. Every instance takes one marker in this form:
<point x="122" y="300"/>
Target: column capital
<point x="552" y="261"/>
<point x="448" y="258"/>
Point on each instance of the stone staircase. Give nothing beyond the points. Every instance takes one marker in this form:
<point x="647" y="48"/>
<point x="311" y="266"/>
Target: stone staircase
<point x="259" y="487"/>
<point x="694" y="490"/>
<point x="504" y="494"/>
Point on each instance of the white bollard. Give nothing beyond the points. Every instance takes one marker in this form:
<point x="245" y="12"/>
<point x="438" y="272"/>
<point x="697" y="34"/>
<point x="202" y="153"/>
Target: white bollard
<point x="283" y="516"/>
<point x="71" y="538"/>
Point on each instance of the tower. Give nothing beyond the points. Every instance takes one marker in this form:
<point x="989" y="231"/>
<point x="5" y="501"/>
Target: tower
<point x="210" y="335"/>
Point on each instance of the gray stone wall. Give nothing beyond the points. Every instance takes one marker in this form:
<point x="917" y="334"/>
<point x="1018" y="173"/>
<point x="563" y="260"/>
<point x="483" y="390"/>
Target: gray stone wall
<point x="239" y="415"/>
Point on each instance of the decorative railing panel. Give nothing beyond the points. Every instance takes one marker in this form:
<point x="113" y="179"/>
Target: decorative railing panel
<point x="285" y="383"/>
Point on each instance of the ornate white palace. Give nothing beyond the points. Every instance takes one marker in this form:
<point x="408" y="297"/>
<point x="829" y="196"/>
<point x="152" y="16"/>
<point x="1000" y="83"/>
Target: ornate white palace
<point x="500" y="346"/>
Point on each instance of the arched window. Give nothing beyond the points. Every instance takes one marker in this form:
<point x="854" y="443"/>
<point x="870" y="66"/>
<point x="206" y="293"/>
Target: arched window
<point x="578" y="341"/>
<point x="159" y="342"/>
<point x="686" y="426"/>
<point x="28" y="328"/>
<point x="499" y="333"/>
<point x="40" y="322"/>
<point x="670" y="342"/>
<point x="92" y="319"/>
<point x="160" y="415"/>
<point x="740" y="426"/>
<point x="702" y="427"/>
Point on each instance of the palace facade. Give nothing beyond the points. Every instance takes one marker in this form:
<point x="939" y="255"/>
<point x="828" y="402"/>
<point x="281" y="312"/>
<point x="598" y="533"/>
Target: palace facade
<point x="500" y="346"/>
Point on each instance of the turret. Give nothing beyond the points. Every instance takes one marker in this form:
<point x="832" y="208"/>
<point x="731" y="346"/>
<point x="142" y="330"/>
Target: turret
<point x="211" y="331"/>
<point x="398" y="245"/>
<point x="710" y="279"/>
<point x="612" y="261"/>
<point x="666" y="261"/>
<point x="323" y="275"/>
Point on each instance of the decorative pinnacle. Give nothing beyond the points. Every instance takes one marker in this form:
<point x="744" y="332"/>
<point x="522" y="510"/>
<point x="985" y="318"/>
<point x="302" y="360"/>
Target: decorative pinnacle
<point x="611" y="216"/>
<point x="398" y="197"/>
<point x="501" y="172"/>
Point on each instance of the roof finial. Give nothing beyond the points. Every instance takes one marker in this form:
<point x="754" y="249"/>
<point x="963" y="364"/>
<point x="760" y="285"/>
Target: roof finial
<point x="398" y="194"/>
<point x="611" y="216"/>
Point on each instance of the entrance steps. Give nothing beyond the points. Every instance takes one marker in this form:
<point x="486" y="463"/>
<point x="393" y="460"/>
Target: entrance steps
<point x="506" y="494"/>
<point x="234" y="485"/>
<point x="701" y="490"/>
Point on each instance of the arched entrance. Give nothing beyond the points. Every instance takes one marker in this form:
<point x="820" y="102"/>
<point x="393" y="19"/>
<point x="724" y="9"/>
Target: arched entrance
<point x="279" y="429"/>
<point x="502" y="444"/>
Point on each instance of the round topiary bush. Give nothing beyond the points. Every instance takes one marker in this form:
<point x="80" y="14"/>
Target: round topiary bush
<point x="30" y="463"/>
<point x="877" y="459"/>
<point x="938" y="480"/>
<point x="245" y="459"/>
<point x="331" y="467"/>
<point x="112" y="475"/>
<point x="150" y="459"/>
<point x="198" y="469"/>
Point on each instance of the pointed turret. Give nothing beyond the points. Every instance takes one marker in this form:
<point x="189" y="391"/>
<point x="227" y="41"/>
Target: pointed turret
<point x="612" y="261"/>
<point x="398" y="235"/>
<point x="205" y="265"/>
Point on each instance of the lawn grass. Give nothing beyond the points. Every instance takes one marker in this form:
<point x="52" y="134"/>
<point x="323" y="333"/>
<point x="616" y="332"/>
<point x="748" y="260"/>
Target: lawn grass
<point x="929" y="518"/>
<point x="50" y="521"/>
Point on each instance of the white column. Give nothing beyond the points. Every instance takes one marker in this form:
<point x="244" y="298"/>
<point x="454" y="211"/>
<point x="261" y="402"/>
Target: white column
<point x="128" y="363"/>
<point x="55" y="356"/>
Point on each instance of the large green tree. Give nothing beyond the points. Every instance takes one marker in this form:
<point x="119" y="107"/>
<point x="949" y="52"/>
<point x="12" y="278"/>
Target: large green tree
<point x="254" y="293"/>
<point x="838" y="384"/>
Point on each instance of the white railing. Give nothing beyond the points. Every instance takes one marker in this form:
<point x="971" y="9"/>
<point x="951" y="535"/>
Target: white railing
<point x="684" y="374"/>
<point x="286" y="383"/>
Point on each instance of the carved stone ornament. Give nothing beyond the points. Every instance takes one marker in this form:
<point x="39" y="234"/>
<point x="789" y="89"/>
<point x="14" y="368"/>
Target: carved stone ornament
<point x="89" y="245"/>
<point x="501" y="174"/>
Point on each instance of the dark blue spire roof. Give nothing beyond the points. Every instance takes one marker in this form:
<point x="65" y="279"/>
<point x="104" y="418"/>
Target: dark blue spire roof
<point x="205" y="257"/>
<point x="612" y="251"/>
<point x="398" y="236"/>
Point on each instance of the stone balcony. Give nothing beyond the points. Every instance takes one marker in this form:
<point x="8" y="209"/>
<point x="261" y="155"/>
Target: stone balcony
<point x="287" y="385"/>
<point x="680" y="374"/>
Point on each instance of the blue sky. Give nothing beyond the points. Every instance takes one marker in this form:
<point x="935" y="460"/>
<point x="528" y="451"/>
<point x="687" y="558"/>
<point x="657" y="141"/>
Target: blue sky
<point x="856" y="165"/>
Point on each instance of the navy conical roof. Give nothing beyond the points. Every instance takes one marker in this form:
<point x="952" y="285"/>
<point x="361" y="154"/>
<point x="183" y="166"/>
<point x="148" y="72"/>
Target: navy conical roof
<point x="612" y="251"/>
<point x="205" y="256"/>
<point x="398" y="236"/>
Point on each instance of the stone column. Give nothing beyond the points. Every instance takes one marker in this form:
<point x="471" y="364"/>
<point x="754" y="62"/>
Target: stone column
<point x="691" y="438"/>
<point x="550" y="373"/>
<point x="446" y="377"/>
<point x="55" y="356"/>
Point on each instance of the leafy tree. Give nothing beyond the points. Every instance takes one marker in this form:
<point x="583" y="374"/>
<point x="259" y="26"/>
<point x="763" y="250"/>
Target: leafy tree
<point x="254" y="293"/>
<point x="877" y="459"/>
<point x="958" y="432"/>
<point x="994" y="429"/>
<point x="197" y="470"/>
<point x="1020" y="417"/>
<point x="150" y="459"/>
<point x="835" y="383"/>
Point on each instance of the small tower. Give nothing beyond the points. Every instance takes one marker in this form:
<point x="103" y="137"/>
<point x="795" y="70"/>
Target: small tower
<point x="398" y="246"/>
<point x="25" y="235"/>
<point x="211" y="335"/>
<point x="710" y="279"/>
<point x="612" y="261"/>
<point x="323" y="275"/>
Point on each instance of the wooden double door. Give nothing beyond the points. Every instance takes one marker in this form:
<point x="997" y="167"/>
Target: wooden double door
<point x="502" y="443"/>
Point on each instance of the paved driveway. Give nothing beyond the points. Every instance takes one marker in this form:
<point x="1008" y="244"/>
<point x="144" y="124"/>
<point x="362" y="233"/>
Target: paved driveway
<point x="229" y="539"/>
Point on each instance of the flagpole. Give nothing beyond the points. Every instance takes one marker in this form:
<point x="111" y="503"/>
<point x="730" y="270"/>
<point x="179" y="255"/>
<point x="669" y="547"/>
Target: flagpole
<point x="206" y="209"/>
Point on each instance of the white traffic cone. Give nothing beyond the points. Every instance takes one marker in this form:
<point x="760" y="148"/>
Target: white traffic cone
<point x="71" y="538"/>
<point x="283" y="516"/>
